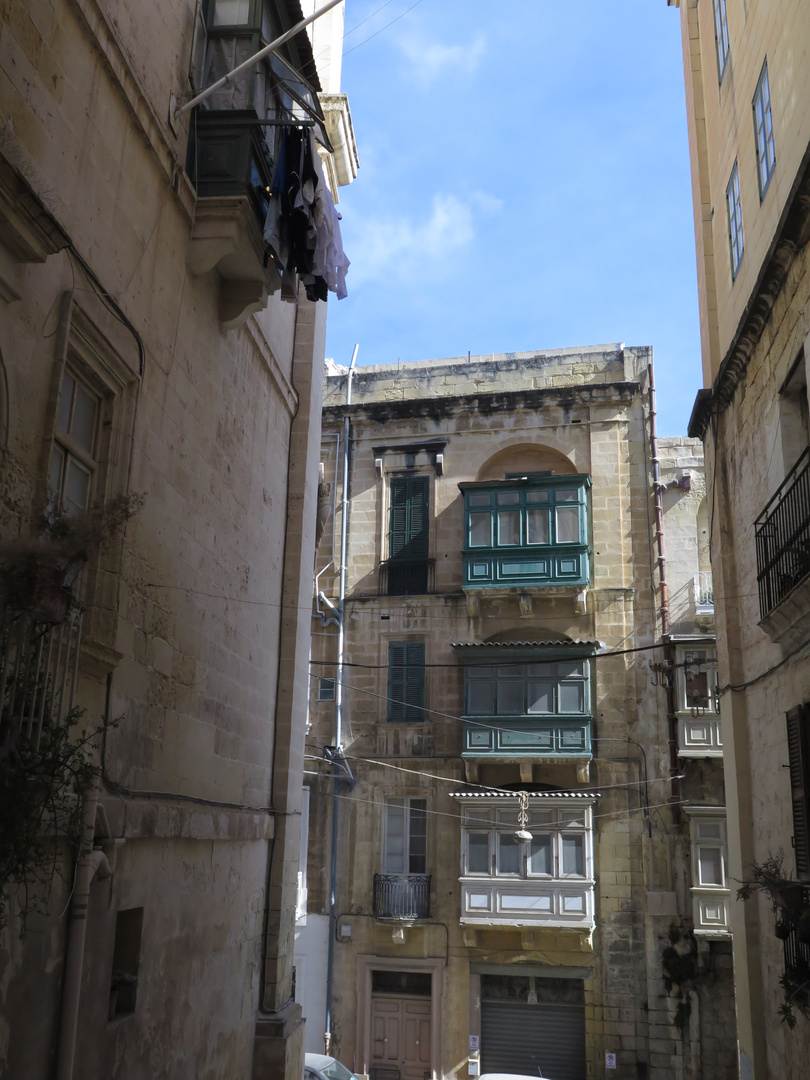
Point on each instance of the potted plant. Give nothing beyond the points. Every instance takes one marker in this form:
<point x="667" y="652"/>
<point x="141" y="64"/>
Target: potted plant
<point x="771" y="877"/>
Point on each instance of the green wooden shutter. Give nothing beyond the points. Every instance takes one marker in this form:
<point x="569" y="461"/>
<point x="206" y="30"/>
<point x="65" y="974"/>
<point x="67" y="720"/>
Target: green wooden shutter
<point x="415" y="682"/>
<point x="406" y="681"/>
<point x="396" y="682"/>
<point x="408" y="523"/>
<point x="799" y="757"/>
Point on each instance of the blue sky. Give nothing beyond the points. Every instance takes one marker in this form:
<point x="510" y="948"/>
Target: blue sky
<point x="524" y="184"/>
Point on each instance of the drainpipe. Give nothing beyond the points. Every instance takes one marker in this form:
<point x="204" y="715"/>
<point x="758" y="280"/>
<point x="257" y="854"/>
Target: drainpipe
<point x="340" y="614"/>
<point x="91" y="863"/>
<point x="669" y="666"/>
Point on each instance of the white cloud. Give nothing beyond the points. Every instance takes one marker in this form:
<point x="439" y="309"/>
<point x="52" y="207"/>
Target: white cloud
<point x="431" y="59"/>
<point x="399" y="248"/>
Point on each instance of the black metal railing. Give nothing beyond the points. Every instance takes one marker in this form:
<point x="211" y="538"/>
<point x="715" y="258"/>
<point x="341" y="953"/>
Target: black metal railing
<point x="794" y="929"/>
<point x="407" y="577"/>
<point x="783" y="537"/>
<point x="401" y="896"/>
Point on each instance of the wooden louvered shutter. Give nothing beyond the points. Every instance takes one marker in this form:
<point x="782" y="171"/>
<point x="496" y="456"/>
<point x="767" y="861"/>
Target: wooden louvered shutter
<point x="398" y="527"/>
<point x="415" y="682"/>
<point x="397" y="652"/>
<point x="799" y="757"/>
<point x="406" y="681"/>
<point x="418" y="518"/>
<point x="408" y="523"/>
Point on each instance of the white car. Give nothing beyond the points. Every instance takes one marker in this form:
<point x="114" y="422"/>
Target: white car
<point x="321" y="1067"/>
<point x="511" y="1076"/>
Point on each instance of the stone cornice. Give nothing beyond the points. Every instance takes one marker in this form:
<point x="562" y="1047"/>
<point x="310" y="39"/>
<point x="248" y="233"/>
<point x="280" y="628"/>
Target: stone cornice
<point x="791" y="235"/>
<point x="485" y="404"/>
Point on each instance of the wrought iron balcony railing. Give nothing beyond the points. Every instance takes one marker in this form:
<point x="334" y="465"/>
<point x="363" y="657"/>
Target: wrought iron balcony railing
<point x="401" y="896"/>
<point x="407" y="577"/>
<point x="783" y="537"/>
<point x="794" y="930"/>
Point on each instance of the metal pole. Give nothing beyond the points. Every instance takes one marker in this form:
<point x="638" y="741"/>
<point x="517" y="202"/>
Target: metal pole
<point x="344" y="541"/>
<point x="260" y="55"/>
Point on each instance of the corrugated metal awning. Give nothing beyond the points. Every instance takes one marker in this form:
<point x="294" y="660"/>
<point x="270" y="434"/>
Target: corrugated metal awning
<point x="500" y="794"/>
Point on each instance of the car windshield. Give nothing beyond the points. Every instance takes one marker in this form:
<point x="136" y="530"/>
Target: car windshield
<point x="335" y="1071"/>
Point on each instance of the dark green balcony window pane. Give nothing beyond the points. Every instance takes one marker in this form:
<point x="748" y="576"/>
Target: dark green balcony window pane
<point x="509" y="528"/>
<point x="481" y="530"/>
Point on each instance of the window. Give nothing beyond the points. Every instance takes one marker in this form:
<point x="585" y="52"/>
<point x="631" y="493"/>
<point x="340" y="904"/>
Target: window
<point x="408" y="536"/>
<point x="559" y="848"/>
<point x="529" y="529"/>
<point x="527" y="689"/>
<point x="405" y="841"/>
<point x="798" y="736"/>
<point x="406" y="682"/>
<point x="126" y="962"/>
<point x="709" y="847"/>
<point x="525" y="517"/>
<point x="735" y="224"/>
<point x="326" y="689"/>
<point x="699" y="731"/>
<point x="721" y="35"/>
<point x="73" y="456"/>
<point x="763" y="132"/>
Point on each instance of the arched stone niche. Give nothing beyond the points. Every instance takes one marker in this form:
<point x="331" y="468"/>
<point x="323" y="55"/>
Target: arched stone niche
<point x="526" y="458"/>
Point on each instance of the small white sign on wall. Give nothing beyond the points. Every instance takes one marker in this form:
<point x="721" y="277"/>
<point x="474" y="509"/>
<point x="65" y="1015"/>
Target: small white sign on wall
<point x="474" y="1042"/>
<point x="610" y="1061"/>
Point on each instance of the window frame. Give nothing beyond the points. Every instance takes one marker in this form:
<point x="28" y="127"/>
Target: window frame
<point x="798" y="740"/>
<point x="527" y="677"/>
<point x="327" y="689"/>
<point x="763" y="131"/>
<point x="722" y="42"/>
<point x="410" y="815"/>
<point x="422" y="550"/>
<point x="524" y="488"/>
<point x="408" y="701"/>
<point x="706" y="662"/>
<point x="736" y="237"/>
<point x="71" y="449"/>
<point x="709" y="895"/>
<point x="500" y="826"/>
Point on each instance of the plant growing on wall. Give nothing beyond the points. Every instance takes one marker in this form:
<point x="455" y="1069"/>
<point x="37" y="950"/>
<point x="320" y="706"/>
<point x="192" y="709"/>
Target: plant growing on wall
<point x="679" y="961"/>
<point x="771" y="877"/>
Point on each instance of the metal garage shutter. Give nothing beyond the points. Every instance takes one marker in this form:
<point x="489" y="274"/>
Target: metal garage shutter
<point x="520" y="1038"/>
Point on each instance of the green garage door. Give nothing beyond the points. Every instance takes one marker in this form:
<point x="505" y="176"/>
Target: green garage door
<point x="545" y="1039"/>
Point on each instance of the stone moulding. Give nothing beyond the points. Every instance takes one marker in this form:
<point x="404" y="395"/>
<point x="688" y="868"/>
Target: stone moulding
<point x="791" y="235"/>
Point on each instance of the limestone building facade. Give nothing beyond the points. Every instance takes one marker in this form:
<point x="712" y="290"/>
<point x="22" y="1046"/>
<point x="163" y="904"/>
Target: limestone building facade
<point x="152" y="352"/>
<point x="514" y="763"/>
<point x="748" y="112"/>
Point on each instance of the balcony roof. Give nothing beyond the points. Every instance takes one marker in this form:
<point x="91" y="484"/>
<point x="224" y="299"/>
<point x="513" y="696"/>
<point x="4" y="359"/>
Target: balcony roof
<point x="485" y="652"/>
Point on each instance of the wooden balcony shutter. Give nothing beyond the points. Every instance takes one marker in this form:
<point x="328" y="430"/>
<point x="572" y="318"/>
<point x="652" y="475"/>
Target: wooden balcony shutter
<point x="798" y="733"/>
<point x="408" y="532"/>
<point x="406" y="681"/>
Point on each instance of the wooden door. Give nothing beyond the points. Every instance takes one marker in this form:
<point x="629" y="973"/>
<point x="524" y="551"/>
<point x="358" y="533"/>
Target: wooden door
<point x="401" y="1035"/>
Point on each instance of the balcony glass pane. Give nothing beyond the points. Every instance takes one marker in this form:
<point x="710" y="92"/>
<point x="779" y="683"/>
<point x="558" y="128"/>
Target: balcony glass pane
<point x="536" y="496"/>
<point x="708" y="830"/>
<point x="540" y="859"/>
<point x="567" y="525"/>
<point x="507" y="498"/>
<point x="481" y="530"/>
<point x="567" y="495"/>
<point x="478" y="853"/>
<point x="710" y="866"/>
<point x="573" y="855"/>
<point x="537" y="527"/>
<point x="65" y="407"/>
<point x="481" y="499"/>
<point x="55" y="472"/>
<point x="508" y="855"/>
<point x="572" y="818"/>
<point x="417" y="848"/>
<point x="231" y="12"/>
<point x="509" y="527"/>
<point x="77" y="487"/>
<point x="510" y="697"/>
<point x="395" y="837"/>
<point x="481" y="698"/>
<point x="83" y="428"/>
<point x="572" y="697"/>
<point x="541" y="697"/>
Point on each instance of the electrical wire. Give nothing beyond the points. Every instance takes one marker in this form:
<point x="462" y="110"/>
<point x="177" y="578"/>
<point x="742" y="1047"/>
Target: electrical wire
<point x="378" y="32"/>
